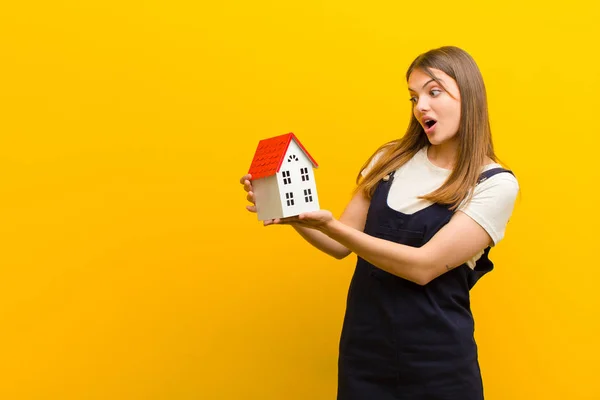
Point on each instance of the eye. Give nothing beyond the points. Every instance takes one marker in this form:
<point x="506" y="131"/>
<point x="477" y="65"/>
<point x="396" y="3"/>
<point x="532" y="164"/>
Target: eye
<point x="435" y="92"/>
<point x="413" y="100"/>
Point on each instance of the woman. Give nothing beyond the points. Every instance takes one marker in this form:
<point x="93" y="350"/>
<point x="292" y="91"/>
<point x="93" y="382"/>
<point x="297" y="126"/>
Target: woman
<point x="426" y="211"/>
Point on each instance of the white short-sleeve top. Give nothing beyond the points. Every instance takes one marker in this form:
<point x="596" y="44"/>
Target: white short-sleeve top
<point x="491" y="205"/>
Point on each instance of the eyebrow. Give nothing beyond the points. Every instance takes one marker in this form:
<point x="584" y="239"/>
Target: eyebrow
<point x="426" y="83"/>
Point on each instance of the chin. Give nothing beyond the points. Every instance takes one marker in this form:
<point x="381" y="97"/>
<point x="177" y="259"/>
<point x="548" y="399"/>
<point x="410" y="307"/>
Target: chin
<point x="437" y="139"/>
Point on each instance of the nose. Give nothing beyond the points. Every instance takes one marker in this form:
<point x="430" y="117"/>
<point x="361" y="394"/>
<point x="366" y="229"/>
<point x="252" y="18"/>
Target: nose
<point x="422" y="104"/>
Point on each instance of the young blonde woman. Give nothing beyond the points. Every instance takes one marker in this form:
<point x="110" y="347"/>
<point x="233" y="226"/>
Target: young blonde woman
<point x="426" y="211"/>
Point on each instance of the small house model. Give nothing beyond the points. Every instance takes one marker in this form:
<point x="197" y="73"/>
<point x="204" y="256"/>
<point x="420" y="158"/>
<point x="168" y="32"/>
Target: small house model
<point x="283" y="181"/>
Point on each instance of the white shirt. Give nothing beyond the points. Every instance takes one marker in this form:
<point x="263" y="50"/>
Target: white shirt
<point x="491" y="205"/>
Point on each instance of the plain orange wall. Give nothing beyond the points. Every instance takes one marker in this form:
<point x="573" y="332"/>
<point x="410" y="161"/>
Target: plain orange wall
<point x="129" y="268"/>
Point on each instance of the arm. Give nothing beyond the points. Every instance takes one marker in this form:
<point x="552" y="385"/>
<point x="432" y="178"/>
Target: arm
<point x="458" y="241"/>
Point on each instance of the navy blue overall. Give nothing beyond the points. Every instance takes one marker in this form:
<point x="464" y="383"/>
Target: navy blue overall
<point x="401" y="340"/>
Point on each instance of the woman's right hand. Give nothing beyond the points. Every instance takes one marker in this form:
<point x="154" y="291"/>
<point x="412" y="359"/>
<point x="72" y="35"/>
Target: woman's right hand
<point x="246" y="180"/>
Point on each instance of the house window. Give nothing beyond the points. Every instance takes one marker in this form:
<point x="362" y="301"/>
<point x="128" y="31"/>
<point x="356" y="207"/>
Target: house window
<point x="286" y="177"/>
<point x="308" y="196"/>
<point x="304" y="172"/>
<point x="292" y="157"/>
<point x="290" y="198"/>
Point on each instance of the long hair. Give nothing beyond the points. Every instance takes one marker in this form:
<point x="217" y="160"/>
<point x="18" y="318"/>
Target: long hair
<point x="474" y="133"/>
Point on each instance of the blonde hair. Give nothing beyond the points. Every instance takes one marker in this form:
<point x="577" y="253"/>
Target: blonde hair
<point x="474" y="133"/>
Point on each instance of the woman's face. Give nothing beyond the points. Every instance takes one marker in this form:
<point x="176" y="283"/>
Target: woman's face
<point x="437" y="108"/>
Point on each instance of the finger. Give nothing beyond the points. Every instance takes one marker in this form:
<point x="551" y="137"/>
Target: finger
<point x="290" y="220"/>
<point x="251" y="208"/>
<point x="247" y="186"/>
<point x="246" y="177"/>
<point x="250" y="197"/>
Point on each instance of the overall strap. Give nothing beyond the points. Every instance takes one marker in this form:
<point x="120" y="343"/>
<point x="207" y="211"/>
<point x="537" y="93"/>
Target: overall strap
<point x="491" y="172"/>
<point x="484" y="175"/>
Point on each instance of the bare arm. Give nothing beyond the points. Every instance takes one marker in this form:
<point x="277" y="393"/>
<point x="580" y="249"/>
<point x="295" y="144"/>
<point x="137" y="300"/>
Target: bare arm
<point x="354" y="216"/>
<point x="457" y="242"/>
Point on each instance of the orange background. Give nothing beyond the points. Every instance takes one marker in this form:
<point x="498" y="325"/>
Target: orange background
<point x="129" y="268"/>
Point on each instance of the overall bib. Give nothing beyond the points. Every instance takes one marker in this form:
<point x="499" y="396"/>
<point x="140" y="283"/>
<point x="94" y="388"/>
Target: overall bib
<point x="401" y="340"/>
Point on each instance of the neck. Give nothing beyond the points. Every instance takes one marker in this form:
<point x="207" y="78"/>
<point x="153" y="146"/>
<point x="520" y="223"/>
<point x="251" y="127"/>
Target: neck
<point x="443" y="155"/>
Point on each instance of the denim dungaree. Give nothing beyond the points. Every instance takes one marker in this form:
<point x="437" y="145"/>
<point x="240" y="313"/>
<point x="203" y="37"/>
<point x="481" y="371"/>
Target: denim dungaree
<point x="401" y="340"/>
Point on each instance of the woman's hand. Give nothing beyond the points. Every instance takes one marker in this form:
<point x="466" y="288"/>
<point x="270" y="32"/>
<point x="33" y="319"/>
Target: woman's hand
<point x="246" y="180"/>
<point x="320" y="220"/>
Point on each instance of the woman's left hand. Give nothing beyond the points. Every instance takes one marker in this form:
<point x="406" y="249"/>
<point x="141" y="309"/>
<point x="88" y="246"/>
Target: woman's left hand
<point x="319" y="220"/>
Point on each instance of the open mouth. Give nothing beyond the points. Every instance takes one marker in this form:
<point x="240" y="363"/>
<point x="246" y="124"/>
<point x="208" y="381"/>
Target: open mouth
<point x="430" y="123"/>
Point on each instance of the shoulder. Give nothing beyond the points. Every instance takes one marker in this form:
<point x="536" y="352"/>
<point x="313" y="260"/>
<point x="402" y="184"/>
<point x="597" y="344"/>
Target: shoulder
<point x="493" y="201"/>
<point x="498" y="180"/>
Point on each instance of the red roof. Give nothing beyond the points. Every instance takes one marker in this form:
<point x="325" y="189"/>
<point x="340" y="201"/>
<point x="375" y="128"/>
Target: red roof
<point x="270" y="153"/>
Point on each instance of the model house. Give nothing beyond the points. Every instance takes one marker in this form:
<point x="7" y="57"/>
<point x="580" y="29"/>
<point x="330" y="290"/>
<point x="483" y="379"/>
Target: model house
<point x="282" y="178"/>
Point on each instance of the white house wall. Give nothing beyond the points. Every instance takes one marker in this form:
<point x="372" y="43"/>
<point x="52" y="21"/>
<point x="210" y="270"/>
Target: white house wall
<point x="266" y="194"/>
<point x="297" y="186"/>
